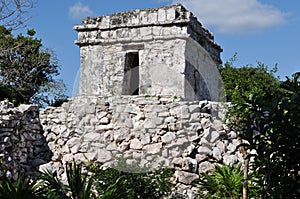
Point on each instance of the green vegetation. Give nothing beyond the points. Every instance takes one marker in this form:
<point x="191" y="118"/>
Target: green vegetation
<point x="265" y="112"/>
<point x="243" y="83"/>
<point x="95" y="183"/>
<point x="224" y="182"/>
<point x="27" y="70"/>
<point x="113" y="183"/>
<point x="21" y="188"/>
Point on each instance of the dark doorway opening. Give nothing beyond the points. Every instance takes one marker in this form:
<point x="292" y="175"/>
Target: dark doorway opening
<point x="131" y="74"/>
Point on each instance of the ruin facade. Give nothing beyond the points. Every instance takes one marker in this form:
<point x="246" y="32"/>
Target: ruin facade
<point x="161" y="51"/>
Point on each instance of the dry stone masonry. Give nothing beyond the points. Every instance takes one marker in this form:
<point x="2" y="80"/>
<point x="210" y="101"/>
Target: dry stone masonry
<point x="188" y="136"/>
<point x="22" y="144"/>
<point x="162" y="51"/>
<point x="146" y="81"/>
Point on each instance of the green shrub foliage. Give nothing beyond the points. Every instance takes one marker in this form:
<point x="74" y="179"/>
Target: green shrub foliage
<point x="224" y="182"/>
<point x="27" y="70"/>
<point x="113" y="183"/>
<point x="265" y="112"/>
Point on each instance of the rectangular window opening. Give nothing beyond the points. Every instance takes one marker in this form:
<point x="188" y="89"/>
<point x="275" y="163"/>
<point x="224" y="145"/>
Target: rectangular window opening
<point x="131" y="74"/>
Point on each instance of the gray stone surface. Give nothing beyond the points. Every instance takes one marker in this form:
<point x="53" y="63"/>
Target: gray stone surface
<point x="23" y="146"/>
<point x="190" y="148"/>
<point x="176" y="55"/>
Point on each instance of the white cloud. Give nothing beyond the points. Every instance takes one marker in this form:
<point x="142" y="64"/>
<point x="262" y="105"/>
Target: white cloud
<point x="235" y="16"/>
<point x="79" y="11"/>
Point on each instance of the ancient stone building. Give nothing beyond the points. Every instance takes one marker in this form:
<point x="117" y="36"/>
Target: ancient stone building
<point x="161" y="51"/>
<point x="132" y="65"/>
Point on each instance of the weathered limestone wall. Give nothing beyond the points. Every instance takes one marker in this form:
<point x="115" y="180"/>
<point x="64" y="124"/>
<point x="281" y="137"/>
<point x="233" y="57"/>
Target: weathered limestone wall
<point x="145" y="25"/>
<point x="102" y="68"/>
<point x="151" y="131"/>
<point x="143" y="130"/>
<point x="167" y="41"/>
<point x="22" y="144"/>
<point x="199" y="72"/>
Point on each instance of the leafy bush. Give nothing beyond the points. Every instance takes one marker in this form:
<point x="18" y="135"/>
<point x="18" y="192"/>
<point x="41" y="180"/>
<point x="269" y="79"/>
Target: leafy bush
<point x="265" y="112"/>
<point x="110" y="183"/>
<point x="27" y="70"/>
<point x="247" y="81"/>
<point x="224" y="182"/>
<point x="113" y="183"/>
<point x="79" y="185"/>
<point x="20" y="189"/>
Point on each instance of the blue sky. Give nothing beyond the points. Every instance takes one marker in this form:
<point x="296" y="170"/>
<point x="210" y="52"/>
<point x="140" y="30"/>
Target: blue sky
<point x="257" y="30"/>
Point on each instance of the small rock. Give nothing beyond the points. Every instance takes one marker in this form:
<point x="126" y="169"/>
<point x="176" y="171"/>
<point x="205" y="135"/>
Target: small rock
<point x="91" y="137"/>
<point x="205" y="167"/>
<point x="168" y="137"/>
<point x="104" y="120"/>
<point x="189" y="164"/>
<point x="230" y="159"/>
<point x="153" y="148"/>
<point x="217" y="154"/>
<point x="185" y="177"/>
<point x="204" y="150"/>
<point x="136" y="144"/>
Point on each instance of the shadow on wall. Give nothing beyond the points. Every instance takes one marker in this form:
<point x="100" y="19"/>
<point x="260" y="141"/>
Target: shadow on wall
<point x="195" y="87"/>
<point x="23" y="145"/>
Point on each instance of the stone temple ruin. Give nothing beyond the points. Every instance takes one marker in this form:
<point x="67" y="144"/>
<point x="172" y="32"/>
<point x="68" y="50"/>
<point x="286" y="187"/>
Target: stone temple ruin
<point x="162" y="51"/>
<point x="133" y="64"/>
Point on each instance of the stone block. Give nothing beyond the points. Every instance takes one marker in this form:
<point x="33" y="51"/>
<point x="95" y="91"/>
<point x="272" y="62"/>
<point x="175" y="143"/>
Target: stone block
<point x="170" y="119"/>
<point x="143" y="17"/>
<point x="168" y="137"/>
<point x="185" y="177"/>
<point x="135" y="19"/>
<point x="221" y="146"/>
<point x="104" y="120"/>
<point x="161" y="15"/>
<point x="230" y="159"/>
<point x="152" y="17"/>
<point x="124" y="146"/>
<point x="177" y="162"/>
<point x="111" y="146"/>
<point x="103" y="155"/>
<point x="46" y="167"/>
<point x="211" y="135"/>
<point x="201" y="157"/>
<point x="132" y="108"/>
<point x="195" y="117"/>
<point x="217" y="154"/>
<point x="74" y="149"/>
<point x="153" y="148"/>
<point x="170" y="14"/>
<point x="145" y="139"/>
<point x="149" y="123"/>
<point x="204" y="150"/>
<point x="156" y="31"/>
<point x="136" y="144"/>
<point x="105" y="22"/>
<point x="184" y="112"/>
<point x="73" y="141"/>
<point x="232" y="135"/>
<point x="91" y="137"/>
<point x="84" y="147"/>
<point x="231" y="147"/>
<point x="205" y="167"/>
<point x="189" y="164"/>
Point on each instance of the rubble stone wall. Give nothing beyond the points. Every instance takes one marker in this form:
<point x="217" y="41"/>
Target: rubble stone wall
<point x="150" y="131"/>
<point x="22" y="144"/>
<point x="146" y="131"/>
